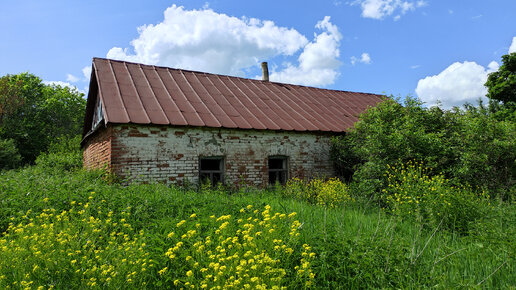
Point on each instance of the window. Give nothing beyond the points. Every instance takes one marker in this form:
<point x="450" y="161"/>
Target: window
<point x="278" y="170"/>
<point x="211" y="169"/>
<point x="98" y="115"/>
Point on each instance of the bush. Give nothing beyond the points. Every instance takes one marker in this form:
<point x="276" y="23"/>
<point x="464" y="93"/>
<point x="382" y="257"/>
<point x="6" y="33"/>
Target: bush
<point x="470" y="146"/>
<point x="64" y="154"/>
<point x="9" y="156"/>
<point x="330" y="193"/>
<point x="61" y="161"/>
<point x="412" y="194"/>
<point x="487" y="157"/>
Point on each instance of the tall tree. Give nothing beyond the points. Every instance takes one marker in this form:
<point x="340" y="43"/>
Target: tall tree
<point x="34" y="114"/>
<point x="501" y="84"/>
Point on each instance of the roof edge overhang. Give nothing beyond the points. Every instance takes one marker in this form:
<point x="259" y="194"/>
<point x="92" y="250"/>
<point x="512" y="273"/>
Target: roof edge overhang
<point x="93" y="94"/>
<point x="105" y="125"/>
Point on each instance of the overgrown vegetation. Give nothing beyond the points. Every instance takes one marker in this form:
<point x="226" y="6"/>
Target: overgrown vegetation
<point x="473" y="146"/>
<point x="94" y="234"/>
<point x="330" y="193"/>
<point x="501" y="87"/>
<point x="432" y="201"/>
<point x="33" y="115"/>
<point x="469" y="147"/>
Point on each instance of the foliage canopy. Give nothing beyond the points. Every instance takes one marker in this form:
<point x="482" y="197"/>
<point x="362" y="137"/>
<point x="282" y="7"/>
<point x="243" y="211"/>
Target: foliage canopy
<point x="468" y="146"/>
<point x="501" y="84"/>
<point x="34" y="114"/>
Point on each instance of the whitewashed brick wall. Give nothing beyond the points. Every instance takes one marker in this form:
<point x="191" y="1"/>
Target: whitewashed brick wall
<point x="171" y="154"/>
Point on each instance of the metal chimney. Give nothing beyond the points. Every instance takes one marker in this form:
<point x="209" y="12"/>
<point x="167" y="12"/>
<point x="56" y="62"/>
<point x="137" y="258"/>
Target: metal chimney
<point x="265" y="72"/>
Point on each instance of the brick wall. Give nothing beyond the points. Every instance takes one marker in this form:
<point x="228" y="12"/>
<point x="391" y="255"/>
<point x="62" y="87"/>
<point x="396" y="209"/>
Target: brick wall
<point x="171" y="154"/>
<point x="97" y="149"/>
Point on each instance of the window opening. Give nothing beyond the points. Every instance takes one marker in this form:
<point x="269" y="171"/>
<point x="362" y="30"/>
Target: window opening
<point x="211" y="169"/>
<point x="98" y="115"/>
<point x="278" y="171"/>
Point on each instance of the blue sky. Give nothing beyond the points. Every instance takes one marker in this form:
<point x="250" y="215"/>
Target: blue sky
<point x="440" y="51"/>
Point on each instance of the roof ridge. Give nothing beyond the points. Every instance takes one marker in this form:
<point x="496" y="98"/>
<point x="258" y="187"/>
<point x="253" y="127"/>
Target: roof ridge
<point x="224" y="75"/>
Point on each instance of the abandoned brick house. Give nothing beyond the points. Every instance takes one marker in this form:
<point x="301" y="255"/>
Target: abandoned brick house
<point x="151" y="123"/>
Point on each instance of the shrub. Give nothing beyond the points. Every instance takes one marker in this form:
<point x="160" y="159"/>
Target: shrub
<point x="468" y="146"/>
<point x="62" y="161"/>
<point x="330" y="193"/>
<point x="411" y="193"/>
<point x="487" y="153"/>
<point x="64" y="154"/>
<point x="9" y="156"/>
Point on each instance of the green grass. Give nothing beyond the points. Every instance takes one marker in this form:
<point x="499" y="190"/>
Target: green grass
<point x="356" y="245"/>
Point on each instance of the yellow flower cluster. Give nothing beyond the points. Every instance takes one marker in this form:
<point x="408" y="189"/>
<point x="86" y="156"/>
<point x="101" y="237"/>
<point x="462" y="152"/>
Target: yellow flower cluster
<point x="248" y="251"/>
<point x="411" y="191"/>
<point x="330" y="193"/>
<point x="409" y="187"/>
<point x="73" y="247"/>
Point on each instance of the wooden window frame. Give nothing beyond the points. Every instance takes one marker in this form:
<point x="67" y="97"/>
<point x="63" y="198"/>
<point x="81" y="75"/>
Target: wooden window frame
<point x="278" y="171"/>
<point x="212" y="172"/>
<point x="98" y="114"/>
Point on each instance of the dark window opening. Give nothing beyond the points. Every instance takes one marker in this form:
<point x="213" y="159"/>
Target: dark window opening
<point x="211" y="170"/>
<point x="278" y="170"/>
<point x="98" y="115"/>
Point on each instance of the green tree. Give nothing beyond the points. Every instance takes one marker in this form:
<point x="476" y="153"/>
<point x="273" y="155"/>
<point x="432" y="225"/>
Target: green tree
<point x="501" y="89"/>
<point x="501" y="84"/>
<point x="10" y="96"/>
<point x="9" y="156"/>
<point x="34" y="114"/>
<point x="470" y="146"/>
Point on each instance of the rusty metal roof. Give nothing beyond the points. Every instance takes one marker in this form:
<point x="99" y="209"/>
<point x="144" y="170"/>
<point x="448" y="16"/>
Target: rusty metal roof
<point x="147" y="94"/>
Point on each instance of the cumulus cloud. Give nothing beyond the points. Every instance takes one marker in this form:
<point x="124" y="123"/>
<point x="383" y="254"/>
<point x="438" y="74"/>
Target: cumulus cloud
<point x="71" y="78"/>
<point x="86" y="72"/>
<point x="513" y="45"/>
<point x="62" y="84"/>
<point x="208" y="41"/>
<point x="379" y="9"/>
<point x="318" y="62"/>
<point x="457" y="84"/>
<point x="364" y="58"/>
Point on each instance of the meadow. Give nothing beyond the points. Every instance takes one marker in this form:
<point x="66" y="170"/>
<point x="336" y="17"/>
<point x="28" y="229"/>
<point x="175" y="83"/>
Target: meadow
<point x="69" y="228"/>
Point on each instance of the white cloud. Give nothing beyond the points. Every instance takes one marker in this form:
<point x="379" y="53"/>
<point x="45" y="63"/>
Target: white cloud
<point x="513" y="45"/>
<point x="421" y="3"/>
<point x="457" y="84"/>
<point x="62" y="84"/>
<point x="208" y="41"/>
<point x="364" y="58"/>
<point x="379" y="9"/>
<point x="71" y="78"/>
<point x="86" y="71"/>
<point x="318" y="62"/>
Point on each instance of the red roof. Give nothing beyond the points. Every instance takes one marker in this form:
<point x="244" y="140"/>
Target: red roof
<point x="147" y="94"/>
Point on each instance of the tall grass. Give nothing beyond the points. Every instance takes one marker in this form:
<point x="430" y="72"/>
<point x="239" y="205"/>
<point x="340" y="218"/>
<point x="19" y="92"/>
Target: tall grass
<point x="354" y="244"/>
